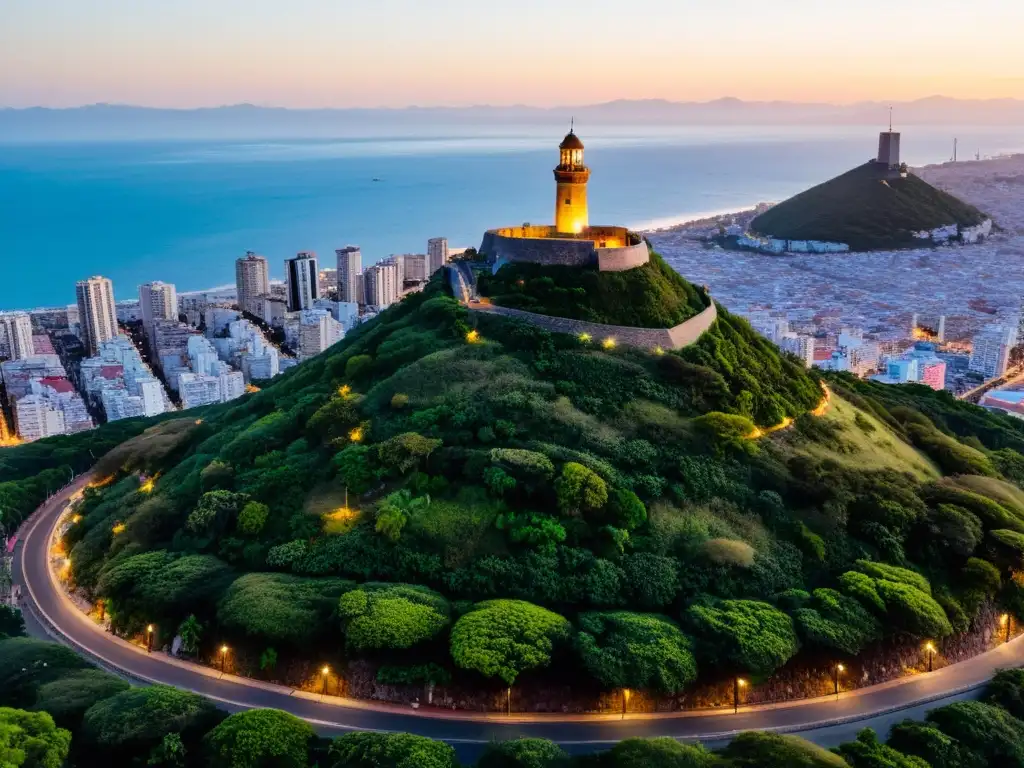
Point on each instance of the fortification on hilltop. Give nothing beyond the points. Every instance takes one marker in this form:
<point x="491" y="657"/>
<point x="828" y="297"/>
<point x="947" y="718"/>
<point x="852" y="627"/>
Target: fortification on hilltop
<point x="570" y="241"/>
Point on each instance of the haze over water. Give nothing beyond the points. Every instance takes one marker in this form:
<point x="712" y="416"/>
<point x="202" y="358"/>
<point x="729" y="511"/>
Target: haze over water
<point x="182" y="212"/>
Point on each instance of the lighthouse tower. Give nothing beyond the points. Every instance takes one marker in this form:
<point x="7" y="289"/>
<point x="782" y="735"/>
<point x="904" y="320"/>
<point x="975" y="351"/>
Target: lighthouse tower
<point x="571" y="177"/>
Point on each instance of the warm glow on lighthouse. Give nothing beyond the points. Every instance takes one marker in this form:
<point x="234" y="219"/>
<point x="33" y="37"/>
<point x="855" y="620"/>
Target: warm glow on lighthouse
<point x="571" y="177"/>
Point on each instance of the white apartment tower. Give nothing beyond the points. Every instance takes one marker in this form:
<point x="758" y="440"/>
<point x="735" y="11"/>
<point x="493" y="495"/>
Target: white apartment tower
<point x="350" y="262"/>
<point x="158" y="301"/>
<point x="97" y="312"/>
<point x="381" y="284"/>
<point x="15" y="335"/>
<point x="437" y="253"/>
<point x="990" y="354"/>
<point x="252" y="279"/>
<point x="303" y="276"/>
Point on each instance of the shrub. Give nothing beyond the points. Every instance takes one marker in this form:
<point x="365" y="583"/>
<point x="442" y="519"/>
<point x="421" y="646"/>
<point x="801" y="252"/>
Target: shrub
<point x="523" y="753"/>
<point x="580" y="490"/>
<point x="31" y="739"/>
<point x="635" y="650"/>
<point x="252" y="518"/>
<point x="653" y="579"/>
<point x="991" y="732"/>
<point x="502" y="638"/>
<point x="729" y="552"/>
<point x="834" y="620"/>
<point x="135" y="721"/>
<point x="279" y="608"/>
<point x="744" y="635"/>
<point x="868" y="752"/>
<point x="392" y="616"/>
<point x="67" y="698"/>
<point x="914" y="611"/>
<point x="893" y="573"/>
<point x="389" y="750"/>
<point x="1006" y="690"/>
<point x="656" y="753"/>
<point x="258" y="738"/>
<point x="759" y="749"/>
<point x="12" y="624"/>
<point x="727" y="433"/>
<point x="933" y="746"/>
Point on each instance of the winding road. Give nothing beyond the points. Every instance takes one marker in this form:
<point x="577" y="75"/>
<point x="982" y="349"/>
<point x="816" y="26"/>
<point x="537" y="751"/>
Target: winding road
<point x="827" y="721"/>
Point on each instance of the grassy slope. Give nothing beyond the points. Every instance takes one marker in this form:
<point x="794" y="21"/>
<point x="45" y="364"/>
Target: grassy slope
<point x="864" y="443"/>
<point x="651" y="296"/>
<point x="862" y="209"/>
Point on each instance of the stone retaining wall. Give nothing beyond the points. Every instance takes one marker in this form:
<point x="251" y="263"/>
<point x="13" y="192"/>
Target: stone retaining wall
<point x="680" y="336"/>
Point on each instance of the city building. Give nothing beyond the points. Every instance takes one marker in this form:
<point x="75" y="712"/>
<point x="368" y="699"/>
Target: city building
<point x="129" y="311"/>
<point x="16" y="335"/>
<point x="244" y="346"/>
<point x="437" y="253"/>
<point x="18" y="375"/>
<point x="328" y="281"/>
<point x="158" y="301"/>
<point x="346" y="313"/>
<point x="252" y="279"/>
<point x="61" y="395"/>
<point x="919" y="365"/>
<point x="312" y="331"/>
<point x="1006" y="401"/>
<point x="97" y="312"/>
<point x="35" y="418"/>
<point x="171" y="348"/>
<point x="198" y="389"/>
<point x="303" y="280"/>
<point x="414" y="268"/>
<point x="350" y="264"/>
<point x="800" y="345"/>
<point x="990" y="351"/>
<point x="381" y="284"/>
<point x="271" y="310"/>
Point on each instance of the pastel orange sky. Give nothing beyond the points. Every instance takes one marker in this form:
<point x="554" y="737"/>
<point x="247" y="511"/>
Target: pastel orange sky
<point x="317" y="53"/>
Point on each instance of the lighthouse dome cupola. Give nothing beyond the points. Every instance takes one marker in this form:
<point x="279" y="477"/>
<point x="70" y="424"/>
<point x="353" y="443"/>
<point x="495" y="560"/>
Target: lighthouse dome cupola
<point x="571" y="150"/>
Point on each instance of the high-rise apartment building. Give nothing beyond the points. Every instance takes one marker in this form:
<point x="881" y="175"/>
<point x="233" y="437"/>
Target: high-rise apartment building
<point x="96" y="311"/>
<point x="303" y="277"/>
<point x="350" y="263"/>
<point x="15" y="335"/>
<point x="157" y="301"/>
<point x="381" y="284"/>
<point x="990" y="354"/>
<point x="252" y="279"/>
<point x="800" y="345"/>
<point x="437" y="253"/>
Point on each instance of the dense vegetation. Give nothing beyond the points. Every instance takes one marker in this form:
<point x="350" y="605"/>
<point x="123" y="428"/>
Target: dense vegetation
<point x="512" y="506"/>
<point x="866" y="210"/>
<point x="56" y="710"/>
<point x="651" y="296"/>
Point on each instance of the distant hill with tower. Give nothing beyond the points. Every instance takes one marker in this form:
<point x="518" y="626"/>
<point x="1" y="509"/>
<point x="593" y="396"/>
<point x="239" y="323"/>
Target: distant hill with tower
<point x="878" y="205"/>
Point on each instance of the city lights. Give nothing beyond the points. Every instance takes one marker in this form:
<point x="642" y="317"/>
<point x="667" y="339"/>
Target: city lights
<point x="473" y="337"/>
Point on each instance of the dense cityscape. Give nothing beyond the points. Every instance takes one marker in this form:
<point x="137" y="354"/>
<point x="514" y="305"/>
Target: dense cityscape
<point x="67" y="369"/>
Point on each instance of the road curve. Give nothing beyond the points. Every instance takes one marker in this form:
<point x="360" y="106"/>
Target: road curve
<point x="826" y="720"/>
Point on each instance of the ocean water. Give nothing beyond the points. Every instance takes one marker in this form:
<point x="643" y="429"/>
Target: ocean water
<point x="182" y="212"/>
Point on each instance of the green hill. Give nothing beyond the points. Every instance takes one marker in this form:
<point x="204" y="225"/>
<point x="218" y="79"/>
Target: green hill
<point x="650" y="296"/>
<point x="514" y="506"/>
<point x="866" y="209"/>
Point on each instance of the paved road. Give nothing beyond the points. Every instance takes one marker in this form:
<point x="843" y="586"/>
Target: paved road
<point x="825" y="721"/>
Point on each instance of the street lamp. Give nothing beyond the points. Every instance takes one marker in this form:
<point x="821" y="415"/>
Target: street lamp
<point x="625" y="701"/>
<point x="149" y="638"/>
<point x="838" y="671"/>
<point x="1004" y="620"/>
<point x="326" y="671"/>
<point x="931" y="652"/>
<point x="223" y="657"/>
<point x="508" y="695"/>
<point x="738" y="683"/>
<point x="103" y="608"/>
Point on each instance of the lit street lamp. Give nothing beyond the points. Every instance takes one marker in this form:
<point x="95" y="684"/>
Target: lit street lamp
<point x="1005" y="621"/>
<point x="149" y="638"/>
<point x="625" y="701"/>
<point x="223" y="657"/>
<point x="509" y="698"/>
<point x="931" y="652"/>
<point x="738" y="683"/>
<point x="326" y="671"/>
<point x="838" y="671"/>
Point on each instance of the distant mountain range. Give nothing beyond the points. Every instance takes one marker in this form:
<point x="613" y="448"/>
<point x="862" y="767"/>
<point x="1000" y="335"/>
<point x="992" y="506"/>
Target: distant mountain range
<point x="246" y="121"/>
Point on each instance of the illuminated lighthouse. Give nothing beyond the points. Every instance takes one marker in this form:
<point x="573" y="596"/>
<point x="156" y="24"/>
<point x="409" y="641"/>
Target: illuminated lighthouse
<point x="571" y="177"/>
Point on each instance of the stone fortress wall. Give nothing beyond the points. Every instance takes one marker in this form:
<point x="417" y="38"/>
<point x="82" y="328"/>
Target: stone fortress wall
<point x="606" y="248"/>
<point x="682" y="335"/>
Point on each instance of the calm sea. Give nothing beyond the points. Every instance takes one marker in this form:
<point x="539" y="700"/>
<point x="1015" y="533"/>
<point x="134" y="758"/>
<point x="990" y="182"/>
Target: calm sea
<point x="182" y="212"/>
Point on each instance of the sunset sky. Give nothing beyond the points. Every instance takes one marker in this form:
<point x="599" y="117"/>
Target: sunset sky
<point x="316" y="53"/>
